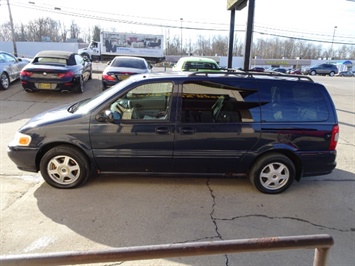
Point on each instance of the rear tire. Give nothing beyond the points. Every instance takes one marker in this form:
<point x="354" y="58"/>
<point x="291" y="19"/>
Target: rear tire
<point x="331" y="74"/>
<point x="64" y="167"/>
<point x="4" y="81"/>
<point x="273" y="173"/>
<point x="90" y="75"/>
<point x="80" y="89"/>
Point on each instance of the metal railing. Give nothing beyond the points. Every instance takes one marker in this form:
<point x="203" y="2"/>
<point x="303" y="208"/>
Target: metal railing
<point x="321" y="244"/>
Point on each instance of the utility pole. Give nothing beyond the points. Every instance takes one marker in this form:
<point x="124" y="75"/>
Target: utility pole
<point x="12" y="30"/>
<point x="181" y="19"/>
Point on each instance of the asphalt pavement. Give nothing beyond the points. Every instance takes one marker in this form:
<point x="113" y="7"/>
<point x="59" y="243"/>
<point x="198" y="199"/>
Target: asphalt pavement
<point x="98" y="67"/>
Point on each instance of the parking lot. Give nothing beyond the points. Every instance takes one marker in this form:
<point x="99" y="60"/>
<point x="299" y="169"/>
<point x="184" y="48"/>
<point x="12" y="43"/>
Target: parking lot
<point x="123" y="211"/>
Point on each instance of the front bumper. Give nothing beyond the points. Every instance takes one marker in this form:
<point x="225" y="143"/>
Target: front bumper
<point x="24" y="158"/>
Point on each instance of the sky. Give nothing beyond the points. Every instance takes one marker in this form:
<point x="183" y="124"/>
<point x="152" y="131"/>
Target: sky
<point x="302" y="19"/>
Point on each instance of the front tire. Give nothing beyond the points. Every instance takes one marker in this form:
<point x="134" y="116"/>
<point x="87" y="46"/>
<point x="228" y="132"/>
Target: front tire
<point x="64" y="167"/>
<point x="273" y="173"/>
<point x="332" y="74"/>
<point x="4" y="81"/>
<point x="86" y="56"/>
<point x="313" y="73"/>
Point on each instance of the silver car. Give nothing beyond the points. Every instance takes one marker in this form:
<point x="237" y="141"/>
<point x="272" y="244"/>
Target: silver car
<point x="122" y="67"/>
<point x="10" y="69"/>
<point x="322" y="69"/>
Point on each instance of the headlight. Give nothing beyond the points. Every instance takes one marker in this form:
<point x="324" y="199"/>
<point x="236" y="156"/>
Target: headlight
<point x="20" y="139"/>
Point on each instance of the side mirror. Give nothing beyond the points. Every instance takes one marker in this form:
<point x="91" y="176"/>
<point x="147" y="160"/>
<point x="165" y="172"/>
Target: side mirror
<point x="150" y="66"/>
<point x="106" y="116"/>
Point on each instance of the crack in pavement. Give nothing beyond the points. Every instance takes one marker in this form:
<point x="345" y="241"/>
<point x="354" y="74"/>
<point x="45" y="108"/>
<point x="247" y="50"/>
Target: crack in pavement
<point x="286" y="218"/>
<point x="214" y="219"/>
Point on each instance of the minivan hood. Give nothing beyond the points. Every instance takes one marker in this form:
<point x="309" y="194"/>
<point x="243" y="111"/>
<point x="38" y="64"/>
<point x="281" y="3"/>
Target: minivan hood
<point x="52" y="116"/>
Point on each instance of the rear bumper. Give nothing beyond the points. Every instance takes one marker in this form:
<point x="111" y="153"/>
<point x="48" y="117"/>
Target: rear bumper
<point x="318" y="163"/>
<point x="69" y="85"/>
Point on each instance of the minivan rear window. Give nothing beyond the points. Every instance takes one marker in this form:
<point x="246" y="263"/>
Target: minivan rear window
<point x="292" y="103"/>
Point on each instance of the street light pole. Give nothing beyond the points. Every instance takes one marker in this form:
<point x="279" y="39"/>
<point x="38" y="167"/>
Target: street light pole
<point x="181" y="19"/>
<point x="331" y="48"/>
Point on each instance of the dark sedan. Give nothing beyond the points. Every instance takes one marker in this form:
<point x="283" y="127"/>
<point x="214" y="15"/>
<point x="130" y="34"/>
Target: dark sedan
<point x="10" y="68"/>
<point x="280" y="70"/>
<point x="56" y="71"/>
<point x="122" y="67"/>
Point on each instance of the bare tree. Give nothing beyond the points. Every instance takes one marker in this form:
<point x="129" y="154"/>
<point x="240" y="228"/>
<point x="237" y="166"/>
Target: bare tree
<point x="74" y="30"/>
<point x="351" y="52"/>
<point x="238" y="46"/>
<point x="173" y="47"/>
<point x="44" y="29"/>
<point x="63" y="32"/>
<point x="220" y="45"/>
<point x="203" y="46"/>
<point x="342" y="53"/>
<point x="5" y="33"/>
<point x="96" y="34"/>
<point x="21" y="33"/>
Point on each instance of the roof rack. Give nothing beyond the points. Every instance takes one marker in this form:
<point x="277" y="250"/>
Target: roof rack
<point x="250" y="74"/>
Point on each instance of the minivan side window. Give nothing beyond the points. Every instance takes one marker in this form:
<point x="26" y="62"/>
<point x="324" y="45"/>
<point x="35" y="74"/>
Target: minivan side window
<point x="208" y="102"/>
<point x="295" y="103"/>
<point x="148" y="101"/>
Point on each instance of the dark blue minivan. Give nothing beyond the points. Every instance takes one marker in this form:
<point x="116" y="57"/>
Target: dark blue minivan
<point x="273" y="128"/>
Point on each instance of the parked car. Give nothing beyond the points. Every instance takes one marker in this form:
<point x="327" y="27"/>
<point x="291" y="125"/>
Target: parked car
<point x="322" y="69"/>
<point x="274" y="129"/>
<point x="122" y="67"/>
<point x="295" y="71"/>
<point x="194" y="64"/>
<point x="10" y="68"/>
<point x="56" y="71"/>
<point x="345" y="74"/>
<point x="280" y="70"/>
<point x="258" y="69"/>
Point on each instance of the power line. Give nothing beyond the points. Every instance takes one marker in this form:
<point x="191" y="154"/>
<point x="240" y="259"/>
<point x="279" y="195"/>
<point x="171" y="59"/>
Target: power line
<point x="270" y="31"/>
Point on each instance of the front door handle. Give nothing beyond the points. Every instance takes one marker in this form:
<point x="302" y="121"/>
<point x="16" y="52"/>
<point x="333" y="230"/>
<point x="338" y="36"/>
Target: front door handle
<point x="187" y="131"/>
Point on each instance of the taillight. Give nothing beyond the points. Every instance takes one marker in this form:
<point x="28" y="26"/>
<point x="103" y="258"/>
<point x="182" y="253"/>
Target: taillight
<point x="26" y="73"/>
<point x="66" y="75"/>
<point x="108" y="77"/>
<point x="334" y="139"/>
